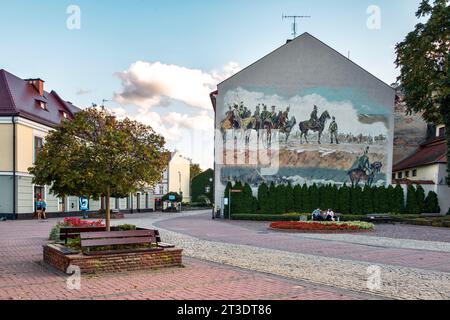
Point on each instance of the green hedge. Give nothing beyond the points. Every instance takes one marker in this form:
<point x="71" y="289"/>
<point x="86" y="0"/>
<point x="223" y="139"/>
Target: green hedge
<point x="263" y="217"/>
<point x="281" y="199"/>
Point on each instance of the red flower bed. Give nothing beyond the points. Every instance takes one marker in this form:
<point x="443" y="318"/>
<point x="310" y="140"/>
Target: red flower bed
<point x="77" y="222"/>
<point x="314" y="226"/>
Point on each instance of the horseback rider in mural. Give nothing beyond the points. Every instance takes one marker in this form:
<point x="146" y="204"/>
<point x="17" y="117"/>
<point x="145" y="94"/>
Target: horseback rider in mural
<point x="315" y="123"/>
<point x="333" y="128"/>
<point x="313" y="118"/>
<point x="363" y="161"/>
<point x="274" y="117"/>
<point x="265" y="114"/>
<point x="363" y="170"/>
<point x="257" y="113"/>
<point x="284" y="118"/>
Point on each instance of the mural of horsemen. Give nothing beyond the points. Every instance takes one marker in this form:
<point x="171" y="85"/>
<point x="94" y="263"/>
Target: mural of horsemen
<point x="319" y="140"/>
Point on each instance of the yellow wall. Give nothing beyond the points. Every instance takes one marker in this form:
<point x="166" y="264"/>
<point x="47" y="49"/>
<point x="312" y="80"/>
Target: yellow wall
<point x="182" y="165"/>
<point x="6" y="151"/>
<point x="25" y="148"/>
<point x="429" y="172"/>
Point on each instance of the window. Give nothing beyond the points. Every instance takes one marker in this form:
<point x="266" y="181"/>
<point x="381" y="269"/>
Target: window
<point x="400" y="175"/>
<point x="414" y="173"/>
<point x="207" y="189"/>
<point x="38" y="142"/>
<point x="393" y="176"/>
<point x="406" y="174"/>
<point x="43" y="105"/>
<point x="441" y="132"/>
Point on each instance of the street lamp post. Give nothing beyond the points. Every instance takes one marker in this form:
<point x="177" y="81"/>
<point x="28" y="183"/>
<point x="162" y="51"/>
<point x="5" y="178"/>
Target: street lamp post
<point x="181" y="193"/>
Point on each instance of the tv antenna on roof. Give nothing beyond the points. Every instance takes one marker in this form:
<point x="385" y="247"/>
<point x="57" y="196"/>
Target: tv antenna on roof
<point x="294" y="25"/>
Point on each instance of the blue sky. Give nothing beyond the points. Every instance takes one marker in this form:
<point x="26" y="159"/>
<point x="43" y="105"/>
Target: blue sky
<point x="192" y="36"/>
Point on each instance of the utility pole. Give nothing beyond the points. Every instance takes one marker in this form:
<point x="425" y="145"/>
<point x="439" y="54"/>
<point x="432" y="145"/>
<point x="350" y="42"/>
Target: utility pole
<point x="294" y="25"/>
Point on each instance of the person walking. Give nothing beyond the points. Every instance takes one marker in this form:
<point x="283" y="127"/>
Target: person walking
<point x="38" y="208"/>
<point x="43" y="205"/>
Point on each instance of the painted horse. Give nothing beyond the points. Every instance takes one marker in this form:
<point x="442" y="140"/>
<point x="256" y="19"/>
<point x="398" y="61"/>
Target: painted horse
<point x="357" y="175"/>
<point x="319" y="127"/>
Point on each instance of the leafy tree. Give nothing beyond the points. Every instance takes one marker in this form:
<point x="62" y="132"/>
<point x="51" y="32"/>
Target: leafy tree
<point x="280" y="199"/>
<point x="237" y="199"/>
<point x="334" y="198"/>
<point x="391" y="199"/>
<point x="432" y="203"/>
<point x="344" y="199"/>
<point x="98" y="155"/>
<point x="298" y="198"/>
<point x="399" y="206"/>
<point x="247" y="199"/>
<point x="423" y="59"/>
<point x="356" y="200"/>
<point x="289" y="194"/>
<point x="263" y="197"/>
<point x="411" y="203"/>
<point x="420" y="198"/>
<point x="195" y="170"/>
<point x="367" y="195"/>
<point x="314" y="196"/>
<point x="272" y="198"/>
<point x="306" y="199"/>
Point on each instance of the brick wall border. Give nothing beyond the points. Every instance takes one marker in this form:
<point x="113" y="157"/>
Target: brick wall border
<point x="122" y="262"/>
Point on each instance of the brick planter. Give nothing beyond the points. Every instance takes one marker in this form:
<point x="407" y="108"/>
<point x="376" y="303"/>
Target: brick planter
<point x="55" y="256"/>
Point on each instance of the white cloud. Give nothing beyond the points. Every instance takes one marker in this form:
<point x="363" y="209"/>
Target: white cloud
<point x="192" y="135"/>
<point x="149" y="84"/>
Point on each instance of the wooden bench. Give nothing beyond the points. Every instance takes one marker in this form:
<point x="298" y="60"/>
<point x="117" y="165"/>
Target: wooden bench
<point x="158" y="241"/>
<point x="90" y="240"/>
<point x="381" y="218"/>
<point x="66" y="233"/>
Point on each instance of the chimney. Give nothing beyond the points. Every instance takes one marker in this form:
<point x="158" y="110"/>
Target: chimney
<point x="38" y="84"/>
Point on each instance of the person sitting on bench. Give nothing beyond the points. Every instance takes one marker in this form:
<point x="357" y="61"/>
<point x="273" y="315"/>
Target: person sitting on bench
<point x="317" y="215"/>
<point x="330" y="215"/>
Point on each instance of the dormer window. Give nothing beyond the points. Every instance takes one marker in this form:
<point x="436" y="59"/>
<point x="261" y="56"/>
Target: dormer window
<point x="64" y="114"/>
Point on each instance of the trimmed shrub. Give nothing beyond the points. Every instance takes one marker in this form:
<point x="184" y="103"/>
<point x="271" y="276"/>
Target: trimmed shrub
<point x="344" y="199"/>
<point x="432" y="203"/>
<point x="411" y="204"/>
<point x="420" y="199"/>
<point x="263" y="197"/>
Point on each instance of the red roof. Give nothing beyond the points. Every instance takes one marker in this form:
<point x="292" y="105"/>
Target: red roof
<point x="19" y="97"/>
<point x="431" y="152"/>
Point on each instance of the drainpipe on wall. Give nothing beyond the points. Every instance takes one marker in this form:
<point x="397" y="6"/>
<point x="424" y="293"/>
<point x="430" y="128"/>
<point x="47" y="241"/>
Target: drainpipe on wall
<point x="14" y="169"/>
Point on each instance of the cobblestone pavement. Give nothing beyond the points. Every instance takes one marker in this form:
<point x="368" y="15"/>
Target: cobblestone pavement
<point x="23" y="276"/>
<point x="395" y="231"/>
<point x="419" y="273"/>
<point x="429" y="255"/>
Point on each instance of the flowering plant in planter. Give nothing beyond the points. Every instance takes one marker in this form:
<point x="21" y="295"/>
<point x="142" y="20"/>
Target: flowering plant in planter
<point x="77" y="222"/>
<point x="310" y="226"/>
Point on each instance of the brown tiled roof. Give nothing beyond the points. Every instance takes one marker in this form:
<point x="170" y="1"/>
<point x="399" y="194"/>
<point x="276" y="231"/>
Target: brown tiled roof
<point x="431" y="152"/>
<point x="18" y="97"/>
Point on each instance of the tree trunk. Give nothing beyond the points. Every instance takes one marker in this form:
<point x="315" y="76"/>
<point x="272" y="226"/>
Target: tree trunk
<point x="108" y="210"/>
